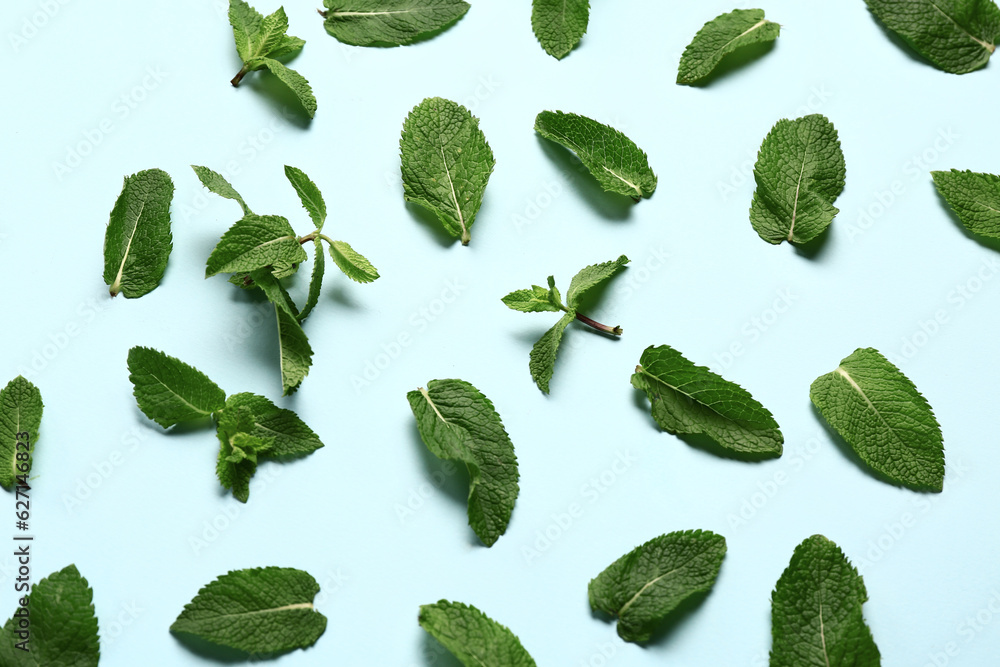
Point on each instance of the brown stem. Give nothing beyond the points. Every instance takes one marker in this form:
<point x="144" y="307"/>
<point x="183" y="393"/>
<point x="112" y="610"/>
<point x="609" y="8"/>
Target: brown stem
<point x="321" y="13"/>
<point x="614" y="331"/>
<point x="239" y="76"/>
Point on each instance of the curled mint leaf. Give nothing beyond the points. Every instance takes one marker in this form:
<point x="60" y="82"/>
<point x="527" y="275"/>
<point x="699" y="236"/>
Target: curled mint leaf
<point x="472" y="636"/>
<point x="692" y="400"/>
<point x="645" y="585"/>
<point x="261" y="611"/>
<point x="446" y="163"/>
<point x="20" y="418"/>
<point x="458" y="423"/>
<point x="389" y="22"/>
<point x="138" y="241"/>
<point x="611" y="157"/>
<point x="720" y="37"/>
<point x="800" y="172"/>
<point x="885" y="420"/>
<point x="816" y="616"/>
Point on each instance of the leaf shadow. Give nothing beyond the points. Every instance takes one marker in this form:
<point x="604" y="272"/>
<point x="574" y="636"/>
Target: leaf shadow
<point x="700" y="441"/>
<point x="848" y="451"/>
<point x="676" y="619"/>
<point x="340" y="295"/>
<point x="991" y="243"/>
<point x="223" y="654"/>
<point x="742" y="57"/>
<point x="815" y="248"/>
<point x="609" y="205"/>
<point x="429" y="220"/>
<point x="434" y="653"/>
<point x="901" y="43"/>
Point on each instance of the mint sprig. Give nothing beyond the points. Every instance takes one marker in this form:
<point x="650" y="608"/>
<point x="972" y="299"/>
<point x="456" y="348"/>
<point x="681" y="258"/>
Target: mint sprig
<point x="249" y="427"/>
<point x="262" y="250"/>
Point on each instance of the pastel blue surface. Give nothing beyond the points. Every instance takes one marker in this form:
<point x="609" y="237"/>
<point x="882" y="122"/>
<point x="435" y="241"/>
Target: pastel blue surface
<point x="100" y="90"/>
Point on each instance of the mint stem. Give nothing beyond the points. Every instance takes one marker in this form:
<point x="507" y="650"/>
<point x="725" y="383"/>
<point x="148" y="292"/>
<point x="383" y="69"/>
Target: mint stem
<point x="321" y="13"/>
<point x="239" y="76"/>
<point x="614" y="331"/>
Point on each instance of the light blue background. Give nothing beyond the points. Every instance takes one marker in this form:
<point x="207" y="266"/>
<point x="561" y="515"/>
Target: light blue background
<point x="367" y="515"/>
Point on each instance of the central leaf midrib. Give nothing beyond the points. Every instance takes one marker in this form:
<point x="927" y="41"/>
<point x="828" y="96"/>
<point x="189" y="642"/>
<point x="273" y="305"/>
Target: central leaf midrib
<point x="747" y="425"/>
<point x="986" y="45"/>
<point x="854" y="385"/>
<point x="183" y="400"/>
<point x="128" y="246"/>
<point x="288" y="607"/>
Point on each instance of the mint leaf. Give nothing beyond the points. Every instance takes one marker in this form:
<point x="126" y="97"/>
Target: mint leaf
<point x="316" y="282"/>
<point x="975" y="198"/>
<point x="353" y="264"/>
<point x="259" y="40"/>
<point x="63" y="627"/>
<point x="169" y="391"/>
<point x="720" y="37"/>
<point x="137" y="242"/>
<point x="885" y="420"/>
<point x="611" y="157"/>
<point x="645" y="585"/>
<point x="472" y="636"/>
<point x="20" y="418"/>
<point x="692" y="400"/>
<point x="800" y="172"/>
<point x="312" y="198"/>
<point x="458" y="423"/>
<point x="295" y="351"/>
<point x="237" y="461"/>
<point x="256" y="242"/>
<point x="446" y="163"/>
<point x="260" y="610"/>
<point x="274" y="291"/>
<point x="957" y="36"/>
<point x="389" y="22"/>
<point x="559" y="24"/>
<point x="542" y="360"/>
<point x="816" y="616"/>
<point x="284" y="434"/>
<point x="218" y="184"/>
<point x="592" y="276"/>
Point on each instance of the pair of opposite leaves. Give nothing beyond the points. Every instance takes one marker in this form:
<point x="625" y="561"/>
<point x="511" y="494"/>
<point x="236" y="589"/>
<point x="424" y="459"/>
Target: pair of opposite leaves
<point x="816" y="609"/>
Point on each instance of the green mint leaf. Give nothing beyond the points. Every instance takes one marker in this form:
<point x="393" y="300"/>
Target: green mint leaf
<point x="611" y="157"/>
<point x="975" y="198"/>
<point x="283" y="433"/>
<point x="316" y="282"/>
<point x="256" y="242"/>
<point x="957" y="36"/>
<point x="169" y="391"/>
<point x="274" y="291"/>
<point x="63" y="625"/>
<point x="246" y="22"/>
<point x="535" y="300"/>
<point x="559" y="24"/>
<point x="20" y="418"/>
<point x="270" y="36"/>
<point x="720" y="37"/>
<point x="295" y="351"/>
<point x="353" y="265"/>
<point x="692" y="400"/>
<point x="542" y="360"/>
<point x="218" y="184"/>
<point x="260" y="610"/>
<point x="885" y="420"/>
<point x="642" y="587"/>
<point x="137" y="242"/>
<point x="800" y="172"/>
<point x="312" y="198"/>
<point x="472" y="636"/>
<point x="237" y="462"/>
<point x="446" y="163"/>
<point x="288" y="45"/>
<point x="298" y="83"/>
<point x="389" y="22"/>
<point x="591" y="277"/>
<point x="458" y="423"/>
<point x="816" y="616"/>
